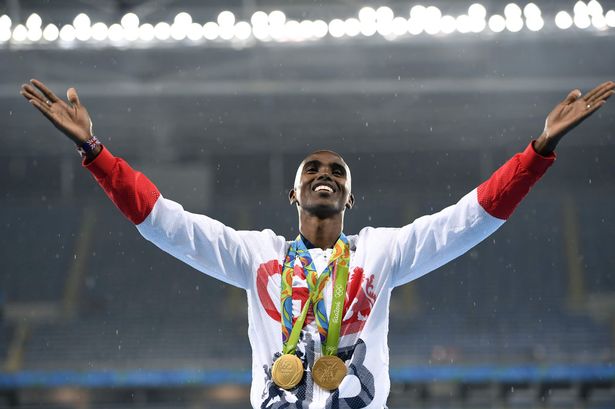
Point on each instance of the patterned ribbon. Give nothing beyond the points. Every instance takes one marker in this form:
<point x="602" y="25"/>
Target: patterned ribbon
<point x="338" y="263"/>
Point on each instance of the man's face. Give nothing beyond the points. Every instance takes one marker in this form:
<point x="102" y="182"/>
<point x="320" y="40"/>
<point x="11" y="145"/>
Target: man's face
<point x="322" y="185"/>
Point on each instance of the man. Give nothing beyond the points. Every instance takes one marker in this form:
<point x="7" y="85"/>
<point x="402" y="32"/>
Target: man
<point x="318" y="305"/>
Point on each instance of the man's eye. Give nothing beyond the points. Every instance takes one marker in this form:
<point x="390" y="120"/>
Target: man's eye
<point x="310" y="170"/>
<point x="338" y="173"/>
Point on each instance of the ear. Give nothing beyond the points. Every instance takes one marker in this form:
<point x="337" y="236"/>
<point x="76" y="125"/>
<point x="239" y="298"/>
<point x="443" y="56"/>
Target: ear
<point x="350" y="202"/>
<point x="292" y="197"/>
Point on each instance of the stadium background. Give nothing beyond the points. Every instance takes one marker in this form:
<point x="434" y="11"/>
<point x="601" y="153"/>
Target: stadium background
<point x="92" y="315"/>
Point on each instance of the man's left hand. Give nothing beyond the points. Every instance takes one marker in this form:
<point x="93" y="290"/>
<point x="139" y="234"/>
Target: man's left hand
<point x="569" y="113"/>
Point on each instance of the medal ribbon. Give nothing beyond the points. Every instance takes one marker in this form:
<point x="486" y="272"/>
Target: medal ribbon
<point x="338" y="265"/>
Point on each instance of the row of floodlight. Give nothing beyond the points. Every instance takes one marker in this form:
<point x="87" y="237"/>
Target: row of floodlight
<point x="274" y="26"/>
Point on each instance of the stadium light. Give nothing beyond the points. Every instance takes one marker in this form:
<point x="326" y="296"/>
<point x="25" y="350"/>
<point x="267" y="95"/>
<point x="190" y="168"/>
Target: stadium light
<point x="5" y="21"/>
<point x="116" y="33"/>
<point x="5" y="34"/>
<point x="194" y="32"/>
<point x="594" y="8"/>
<point x="226" y="19"/>
<point x="82" y="20"/>
<point x="531" y="11"/>
<point x="34" y="21"/>
<point x="533" y="17"/>
<point x="129" y="21"/>
<point x="67" y="33"/>
<point x="291" y="31"/>
<point x="399" y="26"/>
<point x="178" y="31"/>
<point x="384" y="28"/>
<point x="162" y="31"/>
<point x="211" y="30"/>
<point x="227" y="32"/>
<point x="367" y="14"/>
<point x="367" y="17"/>
<point x="580" y="8"/>
<point x="305" y="30"/>
<point x="321" y="28"/>
<point x="146" y="32"/>
<point x="277" y="18"/>
<point x="463" y="23"/>
<point x="582" y="20"/>
<point x="447" y="24"/>
<point x="599" y="22"/>
<point x="243" y="30"/>
<point x="261" y="33"/>
<point x="35" y="34"/>
<point x="477" y="25"/>
<point x="514" y="25"/>
<point x="353" y="27"/>
<point x="414" y="26"/>
<point x="497" y="23"/>
<point x="259" y="19"/>
<point x="512" y="11"/>
<point x="51" y="33"/>
<point x="131" y="33"/>
<point x="182" y="20"/>
<point x="535" y="24"/>
<point x="337" y="28"/>
<point x="20" y="33"/>
<point x="275" y="26"/>
<point x="477" y="11"/>
<point x="99" y="31"/>
<point x="417" y="12"/>
<point x="384" y="14"/>
<point x="563" y="20"/>
<point x="432" y="18"/>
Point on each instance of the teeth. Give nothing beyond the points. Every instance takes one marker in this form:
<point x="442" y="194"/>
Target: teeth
<point x="323" y="187"/>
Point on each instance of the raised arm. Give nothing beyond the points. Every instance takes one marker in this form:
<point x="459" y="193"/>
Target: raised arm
<point x="204" y="243"/>
<point x="432" y="241"/>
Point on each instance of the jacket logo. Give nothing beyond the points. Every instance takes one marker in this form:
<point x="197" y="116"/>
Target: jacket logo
<point x="360" y="295"/>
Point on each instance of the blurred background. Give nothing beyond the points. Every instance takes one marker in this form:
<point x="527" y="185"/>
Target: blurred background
<point x="217" y="102"/>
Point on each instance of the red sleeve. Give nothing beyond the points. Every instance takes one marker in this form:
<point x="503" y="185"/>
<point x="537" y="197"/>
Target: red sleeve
<point x="131" y="191"/>
<point x="503" y="191"/>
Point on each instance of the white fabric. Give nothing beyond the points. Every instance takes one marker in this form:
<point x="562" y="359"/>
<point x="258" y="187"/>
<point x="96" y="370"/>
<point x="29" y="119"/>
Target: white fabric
<point x="381" y="258"/>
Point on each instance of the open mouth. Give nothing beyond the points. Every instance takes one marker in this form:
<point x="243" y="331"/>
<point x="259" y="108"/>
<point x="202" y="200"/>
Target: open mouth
<point x="323" y="188"/>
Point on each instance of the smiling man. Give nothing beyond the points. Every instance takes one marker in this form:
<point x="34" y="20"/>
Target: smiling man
<point x="318" y="305"/>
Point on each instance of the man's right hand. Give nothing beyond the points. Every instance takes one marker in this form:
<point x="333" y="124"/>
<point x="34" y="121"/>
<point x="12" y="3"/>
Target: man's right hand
<point x="72" y="118"/>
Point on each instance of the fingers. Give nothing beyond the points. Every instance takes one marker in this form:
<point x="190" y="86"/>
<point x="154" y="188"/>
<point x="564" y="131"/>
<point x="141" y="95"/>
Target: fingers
<point x="46" y="91"/>
<point x="72" y="96"/>
<point x="605" y="86"/>
<point x="42" y="107"/>
<point x="593" y="108"/>
<point x="572" y="96"/>
<point x="30" y="93"/>
<point x="602" y="93"/>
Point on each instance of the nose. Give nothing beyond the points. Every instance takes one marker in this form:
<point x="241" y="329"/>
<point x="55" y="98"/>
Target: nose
<point x="324" y="173"/>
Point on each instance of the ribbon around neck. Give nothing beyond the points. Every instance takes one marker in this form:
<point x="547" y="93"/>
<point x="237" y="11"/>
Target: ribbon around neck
<point x="329" y="329"/>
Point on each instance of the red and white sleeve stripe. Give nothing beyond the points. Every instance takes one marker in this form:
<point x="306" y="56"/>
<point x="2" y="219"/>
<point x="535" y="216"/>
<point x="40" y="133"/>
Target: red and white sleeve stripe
<point x="503" y="191"/>
<point x="433" y="240"/>
<point x="131" y="191"/>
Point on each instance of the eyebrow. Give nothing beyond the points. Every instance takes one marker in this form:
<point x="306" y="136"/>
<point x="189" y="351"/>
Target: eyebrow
<point x="316" y="162"/>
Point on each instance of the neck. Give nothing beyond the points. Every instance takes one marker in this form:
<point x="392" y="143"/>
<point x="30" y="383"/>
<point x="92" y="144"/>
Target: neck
<point x="322" y="233"/>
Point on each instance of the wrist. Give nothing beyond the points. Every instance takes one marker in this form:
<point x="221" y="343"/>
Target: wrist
<point x="544" y="145"/>
<point x="90" y="156"/>
<point x="90" y="148"/>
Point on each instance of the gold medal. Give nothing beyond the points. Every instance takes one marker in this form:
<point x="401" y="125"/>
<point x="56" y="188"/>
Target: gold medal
<point x="328" y="372"/>
<point x="287" y="371"/>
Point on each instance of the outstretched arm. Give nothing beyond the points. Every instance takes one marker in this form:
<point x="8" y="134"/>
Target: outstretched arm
<point x="204" y="243"/>
<point x="569" y="113"/>
<point x="71" y="118"/>
<point x="432" y="241"/>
